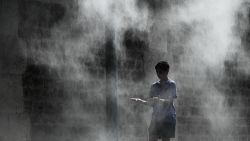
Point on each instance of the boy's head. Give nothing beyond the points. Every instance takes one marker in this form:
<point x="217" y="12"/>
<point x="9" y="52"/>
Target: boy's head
<point x="162" y="69"/>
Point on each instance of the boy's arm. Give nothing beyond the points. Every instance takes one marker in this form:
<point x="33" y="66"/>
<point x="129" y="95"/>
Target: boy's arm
<point x="152" y="100"/>
<point x="149" y="101"/>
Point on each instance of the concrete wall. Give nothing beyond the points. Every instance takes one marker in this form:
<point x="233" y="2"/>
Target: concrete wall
<point x="14" y="122"/>
<point x="46" y="100"/>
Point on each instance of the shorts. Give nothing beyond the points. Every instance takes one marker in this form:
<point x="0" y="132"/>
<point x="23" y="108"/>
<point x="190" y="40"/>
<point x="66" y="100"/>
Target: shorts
<point x="162" y="129"/>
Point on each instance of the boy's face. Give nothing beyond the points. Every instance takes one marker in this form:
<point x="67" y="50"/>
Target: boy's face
<point x="162" y="74"/>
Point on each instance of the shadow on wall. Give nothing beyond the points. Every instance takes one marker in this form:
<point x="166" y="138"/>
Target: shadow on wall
<point x="37" y="18"/>
<point x="158" y="5"/>
<point x="136" y="44"/>
<point x="237" y="65"/>
<point x="43" y="93"/>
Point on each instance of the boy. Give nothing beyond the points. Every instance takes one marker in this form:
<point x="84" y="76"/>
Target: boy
<point x="162" y="95"/>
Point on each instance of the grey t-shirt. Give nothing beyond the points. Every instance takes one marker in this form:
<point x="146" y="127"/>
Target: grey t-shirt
<point x="164" y="90"/>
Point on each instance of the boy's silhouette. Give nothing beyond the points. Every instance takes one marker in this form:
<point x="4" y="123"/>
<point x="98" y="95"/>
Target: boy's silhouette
<point x="162" y="95"/>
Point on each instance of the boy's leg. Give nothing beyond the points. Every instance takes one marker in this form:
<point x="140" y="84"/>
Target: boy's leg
<point x="165" y="139"/>
<point x="152" y="137"/>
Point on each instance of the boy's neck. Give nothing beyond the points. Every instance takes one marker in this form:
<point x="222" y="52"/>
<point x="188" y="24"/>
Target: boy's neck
<point x="164" y="79"/>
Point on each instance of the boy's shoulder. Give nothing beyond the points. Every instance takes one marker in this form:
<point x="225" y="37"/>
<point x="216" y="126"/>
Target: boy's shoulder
<point x="171" y="81"/>
<point x="157" y="83"/>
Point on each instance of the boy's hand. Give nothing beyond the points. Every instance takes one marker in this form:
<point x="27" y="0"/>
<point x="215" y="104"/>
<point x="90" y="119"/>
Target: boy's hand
<point x="164" y="100"/>
<point x="151" y="101"/>
<point x="155" y="100"/>
<point x="138" y="100"/>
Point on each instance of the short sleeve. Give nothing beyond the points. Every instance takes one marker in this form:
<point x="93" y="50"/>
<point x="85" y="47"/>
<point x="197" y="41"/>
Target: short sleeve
<point x="152" y="91"/>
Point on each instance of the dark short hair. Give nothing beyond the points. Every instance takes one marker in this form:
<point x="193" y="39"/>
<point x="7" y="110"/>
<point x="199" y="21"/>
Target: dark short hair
<point x="162" y="66"/>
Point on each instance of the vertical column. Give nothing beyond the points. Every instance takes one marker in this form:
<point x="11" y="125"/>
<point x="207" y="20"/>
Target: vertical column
<point x="111" y="89"/>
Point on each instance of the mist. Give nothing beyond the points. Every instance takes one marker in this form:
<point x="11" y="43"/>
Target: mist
<point x="196" y="37"/>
